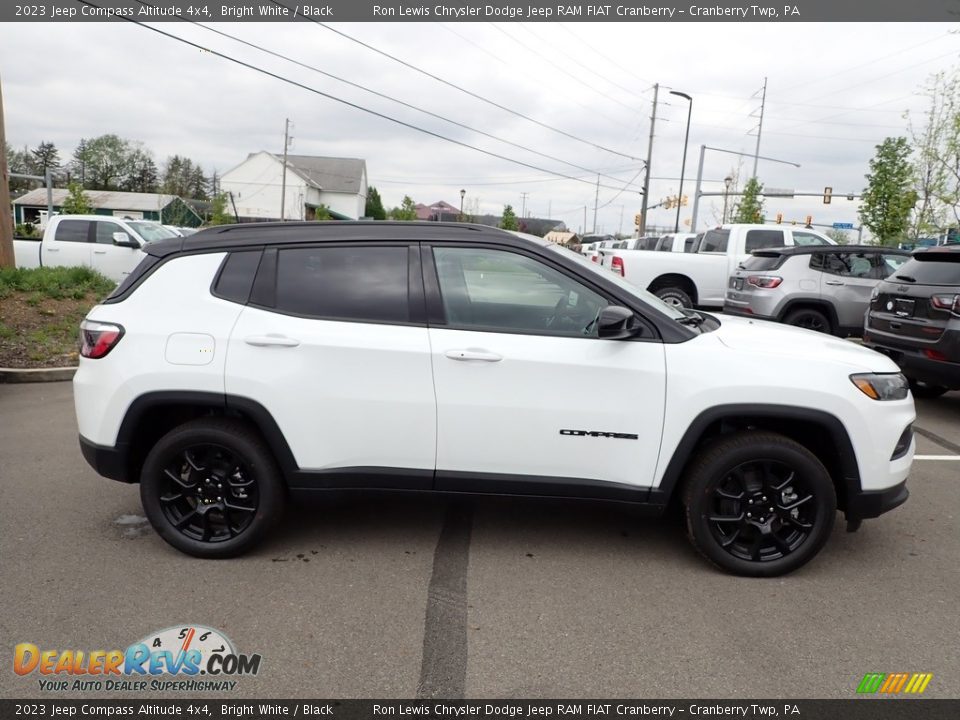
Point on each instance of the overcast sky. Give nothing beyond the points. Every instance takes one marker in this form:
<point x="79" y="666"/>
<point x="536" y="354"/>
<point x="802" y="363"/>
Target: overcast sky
<point x="834" y="91"/>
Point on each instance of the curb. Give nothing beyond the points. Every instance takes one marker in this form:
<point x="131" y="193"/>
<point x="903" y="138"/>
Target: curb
<point x="34" y="375"/>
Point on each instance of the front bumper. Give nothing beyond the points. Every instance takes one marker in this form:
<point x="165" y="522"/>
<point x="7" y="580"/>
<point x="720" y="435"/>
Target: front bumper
<point x="110" y="462"/>
<point x="866" y="504"/>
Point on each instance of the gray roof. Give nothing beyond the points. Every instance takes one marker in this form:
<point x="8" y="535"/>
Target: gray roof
<point x="330" y="174"/>
<point x="106" y="199"/>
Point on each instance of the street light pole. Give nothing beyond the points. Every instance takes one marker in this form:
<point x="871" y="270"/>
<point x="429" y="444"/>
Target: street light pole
<point x="462" y="193"/>
<point x="683" y="164"/>
<point x="727" y="182"/>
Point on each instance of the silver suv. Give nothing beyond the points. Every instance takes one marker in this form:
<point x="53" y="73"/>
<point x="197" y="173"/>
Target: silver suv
<point x="817" y="287"/>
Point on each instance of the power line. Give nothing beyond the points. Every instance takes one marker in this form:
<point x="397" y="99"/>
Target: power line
<point x="387" y="97"/>
<point x="383" y="116"/>
<point x="461" y="89"/>
<point x="580" y="39"/>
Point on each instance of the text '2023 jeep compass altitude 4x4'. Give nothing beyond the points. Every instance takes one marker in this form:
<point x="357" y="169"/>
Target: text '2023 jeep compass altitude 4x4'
<point x="249" y="363"/>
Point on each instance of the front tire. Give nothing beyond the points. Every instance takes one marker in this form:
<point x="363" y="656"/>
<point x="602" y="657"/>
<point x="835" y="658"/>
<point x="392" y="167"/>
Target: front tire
<point x="211" y="488"/>
<point x="758" y="504"/>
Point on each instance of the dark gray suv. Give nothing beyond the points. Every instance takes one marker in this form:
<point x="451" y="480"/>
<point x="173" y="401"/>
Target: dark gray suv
<point x="914" y="317"/>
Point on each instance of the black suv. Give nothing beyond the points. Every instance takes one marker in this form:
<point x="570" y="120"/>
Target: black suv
<point x="914" y="317"/>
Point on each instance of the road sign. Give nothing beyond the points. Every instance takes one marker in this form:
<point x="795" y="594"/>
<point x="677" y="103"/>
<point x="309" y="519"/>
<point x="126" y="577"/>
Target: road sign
<point x="843" y="226"/>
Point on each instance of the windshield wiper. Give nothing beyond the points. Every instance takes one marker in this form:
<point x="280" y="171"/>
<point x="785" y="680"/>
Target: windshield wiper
<point x="906" y="278"/>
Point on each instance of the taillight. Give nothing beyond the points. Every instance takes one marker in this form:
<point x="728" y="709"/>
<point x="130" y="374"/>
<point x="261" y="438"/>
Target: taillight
<point x="595" y="258"/>
<point x="97" y="338"/>
<point x="617" y="265"/>
<point x="935" y="355"/>
<point x="764" y="281"/>
<point x="946" y="302"/>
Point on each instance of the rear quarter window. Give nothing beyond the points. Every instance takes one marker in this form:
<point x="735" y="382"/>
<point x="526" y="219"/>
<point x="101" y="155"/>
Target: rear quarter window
<point x="236" y="276"/>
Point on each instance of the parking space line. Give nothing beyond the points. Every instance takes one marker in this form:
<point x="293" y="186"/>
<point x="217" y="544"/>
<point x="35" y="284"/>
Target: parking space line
<point x="443" y="669"/>
<point x="941" y="441"/>
<point x="936" y="457"/>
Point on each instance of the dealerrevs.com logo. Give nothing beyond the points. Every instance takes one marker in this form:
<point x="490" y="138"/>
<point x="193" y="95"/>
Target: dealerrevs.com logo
<point x="184" y="658"/>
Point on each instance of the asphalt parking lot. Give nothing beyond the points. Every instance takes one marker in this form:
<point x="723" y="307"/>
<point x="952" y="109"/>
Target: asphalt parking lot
<point x="395" y="598"/>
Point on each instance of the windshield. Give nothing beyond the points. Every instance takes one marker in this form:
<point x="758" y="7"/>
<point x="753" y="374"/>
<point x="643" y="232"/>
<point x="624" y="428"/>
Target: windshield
<point x="151" y="231"/>
<point x="643" y="295"/>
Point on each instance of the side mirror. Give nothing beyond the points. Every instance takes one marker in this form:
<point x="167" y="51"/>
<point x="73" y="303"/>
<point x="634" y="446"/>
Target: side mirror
<point x="121" y="239"/>
<point x="617" y="323"/>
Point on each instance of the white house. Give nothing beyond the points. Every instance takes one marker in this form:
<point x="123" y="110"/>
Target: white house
<point x="256" y="186"/>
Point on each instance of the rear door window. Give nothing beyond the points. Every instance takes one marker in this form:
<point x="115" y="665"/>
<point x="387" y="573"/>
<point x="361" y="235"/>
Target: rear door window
<point x="757" y="239"/>
<point x="72" y="231"/>
<point x="358" y="283"/>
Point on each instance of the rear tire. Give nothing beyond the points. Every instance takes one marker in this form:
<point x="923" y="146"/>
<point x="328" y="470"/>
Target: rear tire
<point x="809" y="319"/>
<point x="925" y="390"/>
<point x="211" y="488"/>
<point x="674" y="296"/>
<point x="758" y="504"/>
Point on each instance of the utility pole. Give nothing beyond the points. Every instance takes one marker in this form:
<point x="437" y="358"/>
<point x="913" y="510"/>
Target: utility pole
<point x="646" y="177"/>
<point x="283" y="184"/>
<point x="523" y="204"/>
<point x="763" y="104"/>
<point x="584" y="219"/>
<point x="596" y="199"/>
<point x="620" y="230"/>
<point x="6" y="222"/>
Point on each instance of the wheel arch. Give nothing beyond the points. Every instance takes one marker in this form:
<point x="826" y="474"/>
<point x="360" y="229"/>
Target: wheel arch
<point x="820" y="432"/>
<point x="812" y="304"/>
<point x="684" y="282"/>
<point x="152" y="415"/>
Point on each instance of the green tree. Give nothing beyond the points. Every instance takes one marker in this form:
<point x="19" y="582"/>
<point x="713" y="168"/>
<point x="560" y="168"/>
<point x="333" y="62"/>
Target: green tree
<point x="141" y="175"/>
<point x="374" y="206"/>
<point x="841" y="237"/>
<point x="77" y="202"/>
<point x="45" y="157"/>
<point x="105" y="162"/>
<point x="198" y="184"/>
<point x="889" y="198"/>
<point x="17" y="162"/>
<point x="750" y="207"/>
<point x="406" y="211"/>
<point x="509" y="219"/>
<point x="322" y="212"/>
<point x="218" y="210"/>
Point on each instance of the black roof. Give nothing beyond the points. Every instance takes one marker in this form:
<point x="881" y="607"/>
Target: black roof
<point x="810" y="249"/>
<point x="226" y="237"/>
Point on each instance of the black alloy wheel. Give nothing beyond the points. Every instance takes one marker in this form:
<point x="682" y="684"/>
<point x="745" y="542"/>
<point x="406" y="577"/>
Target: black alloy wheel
<point x="211" y="487"/>
<point x="810" y="320"/>
<point x="758" y="503"/>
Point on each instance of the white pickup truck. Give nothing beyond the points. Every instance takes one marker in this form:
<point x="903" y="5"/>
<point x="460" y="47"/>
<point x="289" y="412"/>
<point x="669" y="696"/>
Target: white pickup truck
<point x="111" y="246"/>
<point x="699" y="277"/>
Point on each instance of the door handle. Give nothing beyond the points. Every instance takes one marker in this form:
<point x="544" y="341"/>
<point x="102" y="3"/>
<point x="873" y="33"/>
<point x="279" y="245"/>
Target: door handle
<point x="49" y="249"/>
<point x="99" y="252"/>
<point x="481" y="355"/>
<point x="271" y="341"/>
<point x="832" y="282"/>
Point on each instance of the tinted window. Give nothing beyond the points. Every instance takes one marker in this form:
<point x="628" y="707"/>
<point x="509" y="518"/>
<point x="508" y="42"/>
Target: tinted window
<point x="889" y="263"/>
<point x="757" y="239"/>
<point x="502" y="291"/>
<point x="105" y="231"/>
<point x="931" y="270"/>
<point x="344" y="283"/>
<point x="714" y="241"/>
<point x="665" y="244"/>
<point x="805" y="238"/>
<point x="72" y="231"/>
<point x="236" y="277"/>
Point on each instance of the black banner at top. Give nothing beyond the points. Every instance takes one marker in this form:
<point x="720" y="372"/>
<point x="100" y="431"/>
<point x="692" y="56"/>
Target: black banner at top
<point x="765" y="11"/>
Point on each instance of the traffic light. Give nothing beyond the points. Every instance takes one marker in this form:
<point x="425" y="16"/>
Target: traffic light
<point x="809" y="222"/>
<point x="637" y="218"/>
<point x="827" y="195"/>
<point x="779" y="218"/>
<point x="683" y="200"/>
<point x="668" y="203"/>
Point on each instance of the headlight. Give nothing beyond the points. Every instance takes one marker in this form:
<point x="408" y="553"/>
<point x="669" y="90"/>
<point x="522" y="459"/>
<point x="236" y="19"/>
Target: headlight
<point x="885" y="386"/>
<point x="875" y="293"/>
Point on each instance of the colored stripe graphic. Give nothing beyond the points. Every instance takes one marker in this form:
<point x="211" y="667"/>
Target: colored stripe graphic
<point x="894" y="683"/>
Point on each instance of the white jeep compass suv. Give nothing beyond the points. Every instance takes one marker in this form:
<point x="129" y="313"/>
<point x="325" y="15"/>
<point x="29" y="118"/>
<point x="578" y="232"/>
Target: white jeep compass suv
<point x="248" y="363"/>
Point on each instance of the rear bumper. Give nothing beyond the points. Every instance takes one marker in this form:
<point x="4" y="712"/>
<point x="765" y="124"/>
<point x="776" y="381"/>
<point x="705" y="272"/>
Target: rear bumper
<point x="110" y="462"/>
<point x="916" y="366"/>
<point x="867" y="504"/>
